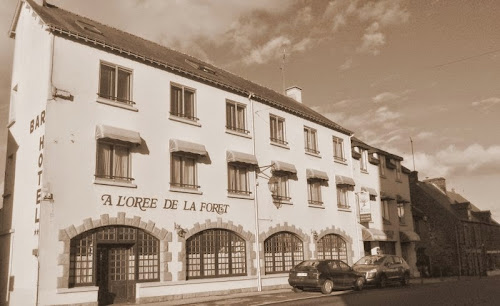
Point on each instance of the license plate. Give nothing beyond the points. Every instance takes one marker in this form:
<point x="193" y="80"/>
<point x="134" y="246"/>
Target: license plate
<point x="301" y="274"/>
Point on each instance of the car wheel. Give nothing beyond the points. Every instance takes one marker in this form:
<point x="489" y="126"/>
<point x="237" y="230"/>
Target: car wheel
<point x="297" y="289"/>
<point x="405" y="281"/>
<point x="382" y="283"/>
<point x="359" y="284"/>
<point x="327" y="287"/>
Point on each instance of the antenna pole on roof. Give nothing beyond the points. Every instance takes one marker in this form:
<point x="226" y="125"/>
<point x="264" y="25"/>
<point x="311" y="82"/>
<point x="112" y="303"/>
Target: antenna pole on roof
<point x="413" y="155"/>
<point x="283" y="71"/>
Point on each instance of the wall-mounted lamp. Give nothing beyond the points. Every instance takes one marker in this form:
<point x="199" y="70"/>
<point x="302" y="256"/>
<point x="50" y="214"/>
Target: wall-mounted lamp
<point x="181" y="232"/>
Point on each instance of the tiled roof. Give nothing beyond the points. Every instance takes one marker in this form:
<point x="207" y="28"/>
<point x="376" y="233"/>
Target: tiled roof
<point x="356" y="142"/>
<point x="64" y="23"/>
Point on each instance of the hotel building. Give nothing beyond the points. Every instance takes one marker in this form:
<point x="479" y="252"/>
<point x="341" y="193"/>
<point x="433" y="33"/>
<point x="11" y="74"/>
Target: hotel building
<point x="136" y="173"/>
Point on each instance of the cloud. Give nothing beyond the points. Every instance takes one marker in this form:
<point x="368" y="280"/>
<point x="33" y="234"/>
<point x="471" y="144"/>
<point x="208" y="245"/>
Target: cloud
<point x="271" y="49"/>
<point x="452" y="161"/>
<point x="486" y="104"/>
<point x="372" y="40"/>
<point x="346" y="65"/>
<point x="385" y="97"/>
<point x="424" y="135"/>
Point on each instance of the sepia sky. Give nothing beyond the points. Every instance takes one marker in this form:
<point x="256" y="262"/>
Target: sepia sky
<point x="388" y="70"/>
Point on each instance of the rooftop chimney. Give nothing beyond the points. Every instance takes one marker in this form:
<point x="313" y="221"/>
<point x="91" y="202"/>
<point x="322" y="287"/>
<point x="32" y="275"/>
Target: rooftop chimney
<point x="439" y="181"/>
<point x="295" y="93"/>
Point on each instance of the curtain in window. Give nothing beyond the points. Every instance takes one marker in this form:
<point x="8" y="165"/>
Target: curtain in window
<point x="123" y="92"/>
<point x="189" y="172"/>
<point x="281" y="132"/>
<point x="242" y="179"/>
<point x="231" y="178"/>
<point x="241" y="118"/>
<point x="188" y="103"/>
<point x="282" y="186"/>
<point x="121" y="162"/>
<point x="314" y="192"/>
<point x="176" y="169"/>
<point x="306" y="138"/>
<point x="230" y="118"/>
<point x="104" y="152"/>
<point x="272" y="124"/>
<point x="107" y="81"/>
<point x="175" y="100"/>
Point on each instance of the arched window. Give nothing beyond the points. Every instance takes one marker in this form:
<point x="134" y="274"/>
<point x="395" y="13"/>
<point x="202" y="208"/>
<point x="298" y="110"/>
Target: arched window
<point x="332" y="246"/>
<point x="114" y="253"/>
<point x="215" y="253"/>
<point x="282" y="251"/>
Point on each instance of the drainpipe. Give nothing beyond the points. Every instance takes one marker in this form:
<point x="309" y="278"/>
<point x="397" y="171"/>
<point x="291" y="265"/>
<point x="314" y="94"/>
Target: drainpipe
<point x="256" y="202"/>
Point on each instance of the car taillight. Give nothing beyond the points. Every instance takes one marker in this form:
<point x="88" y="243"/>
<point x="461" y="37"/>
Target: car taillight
<point x="315" y="274"/>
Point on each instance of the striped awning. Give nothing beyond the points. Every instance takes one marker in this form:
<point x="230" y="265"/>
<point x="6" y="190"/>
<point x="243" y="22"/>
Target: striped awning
<point x="283" y="167"/>
<point x="344" y="180"/>
<point x="111" y="132"/>
<point x="240" y="157"/>
<point x="408" y="236"/>
<point x="177" y="145"/>
<point x="316" y="174"/>
<point x="373" y="234"/>
<point x="371" y="191"/>
<point x="386" y="196"/>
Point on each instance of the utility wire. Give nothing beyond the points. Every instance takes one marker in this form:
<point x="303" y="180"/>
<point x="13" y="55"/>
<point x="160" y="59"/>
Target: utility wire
<point x="465" y="58"/>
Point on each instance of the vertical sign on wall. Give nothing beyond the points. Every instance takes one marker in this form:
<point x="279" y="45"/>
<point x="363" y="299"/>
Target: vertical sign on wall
<point x="34" y="125"/>
<point x="365" y="211"/>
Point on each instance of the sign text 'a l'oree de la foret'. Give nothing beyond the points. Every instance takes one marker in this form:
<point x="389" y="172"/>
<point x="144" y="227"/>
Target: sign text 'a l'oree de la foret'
<point x="144" y="203"/>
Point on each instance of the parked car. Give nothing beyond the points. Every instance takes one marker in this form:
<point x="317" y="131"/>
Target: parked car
<point x="326" y="275"/>
<point x="381" y="269"/>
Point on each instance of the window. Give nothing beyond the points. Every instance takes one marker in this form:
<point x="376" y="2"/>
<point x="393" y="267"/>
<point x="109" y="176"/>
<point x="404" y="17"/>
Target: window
<point x="238" y="179"/>
<point x="363" y="162"/>
<point x="215" y="253"/>
<point x="310" y="141"/>
<point x="314" y="192"/>
<point x="385" y="210"/>
<point x="235" y="117"/>
<point x="382" y="165"/>
<point x="342" y="196"/>
<point x="140" y="249"/>
<point x="12" y="108"/>
<point x="183" y="171"/>
<point x="282" y="191"/>
<point x="182" y="102"/>
<point x="332" y="246"/>
<point x="113" y="161"/>
<point x="398" y="171"/>
<point x="338" y="149"/>
<point x="277" y="125"/>
<point x="282" y="251"/>
<point x="401" y="212"/>
<point x="115" y="83"/>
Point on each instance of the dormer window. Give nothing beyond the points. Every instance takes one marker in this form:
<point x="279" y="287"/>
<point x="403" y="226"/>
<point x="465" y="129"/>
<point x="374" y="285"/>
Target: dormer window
<point x="88" y="27"/>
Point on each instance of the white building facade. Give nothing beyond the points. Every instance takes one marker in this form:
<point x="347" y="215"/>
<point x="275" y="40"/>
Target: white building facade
<point x="136" y="173"/>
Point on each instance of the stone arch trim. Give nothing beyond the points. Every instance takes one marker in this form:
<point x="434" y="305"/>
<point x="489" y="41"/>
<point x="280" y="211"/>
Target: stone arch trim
<point x="248" y="236"/>
<point x="65" y="236"/>
<point x="337" y="231"/>
<point x="306" y="239"/>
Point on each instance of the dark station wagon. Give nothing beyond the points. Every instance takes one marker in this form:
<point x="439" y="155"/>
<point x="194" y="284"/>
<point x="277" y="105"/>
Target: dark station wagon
<point x="326" y="275"/>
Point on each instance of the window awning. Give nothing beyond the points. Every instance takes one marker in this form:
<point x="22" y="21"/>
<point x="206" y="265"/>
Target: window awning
<point x="386" y="196"/>
<point x="110" y="132"/>
<point x="283" y="167"/>
<point x="373" y="234"/>
<point x="316" y="174"/>
<point x="408" y="236"/>
<point x="344" y="180"/>
<point x="371" y="191"/>
<point x="177" y="145"/>
<point x="400" y="199"/>
<point x="240" y="157"/>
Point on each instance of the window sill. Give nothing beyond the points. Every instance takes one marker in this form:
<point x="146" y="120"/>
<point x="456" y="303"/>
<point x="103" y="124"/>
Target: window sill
<point x="78" y="289"/>
<point x="363" y="171"/>
<point x="280" y="145"/>
<point x="185" y="190"/>
<point x="383" y="176"/>
<point x="116" y="104"/>
<point x="346" y="209"/>
<point x="236" y="133"/>
<point x="339" y="161"/>
<point x="240" y="196"/>
<point x="399" y="181"/>
<point x="283" y="202"/>
<point x="317" y="206"/>
<point x="11" y="123"/>
<point x="111" y="182"/>
<point x="184" y="120"/>
<point x="313" y="154"/>
<point x="386" y="222"/>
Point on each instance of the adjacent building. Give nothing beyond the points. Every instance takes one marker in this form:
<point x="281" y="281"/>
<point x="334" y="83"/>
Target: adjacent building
<point x="137" y="173"/>
<point x="457" y="238"/>
<point x="383" y="194"/>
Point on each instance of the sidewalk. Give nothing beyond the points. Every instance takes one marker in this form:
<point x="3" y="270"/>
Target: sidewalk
<point x="190" y="301"/>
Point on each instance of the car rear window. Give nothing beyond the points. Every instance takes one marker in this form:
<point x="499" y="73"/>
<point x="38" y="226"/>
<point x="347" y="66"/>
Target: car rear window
<point x="309" y="263"/>
<point x="370" y="260"/>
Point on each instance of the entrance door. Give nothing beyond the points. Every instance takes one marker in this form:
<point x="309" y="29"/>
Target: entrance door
<point x="116" y="274"/>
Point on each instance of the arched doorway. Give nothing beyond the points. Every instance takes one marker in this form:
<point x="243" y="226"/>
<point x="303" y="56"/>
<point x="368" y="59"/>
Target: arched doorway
<point x="282" y="251"/>
<point x="114" y="258"/>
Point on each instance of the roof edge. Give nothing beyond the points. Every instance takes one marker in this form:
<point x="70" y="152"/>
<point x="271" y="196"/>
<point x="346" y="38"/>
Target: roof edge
<point x="15" y="19"/>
